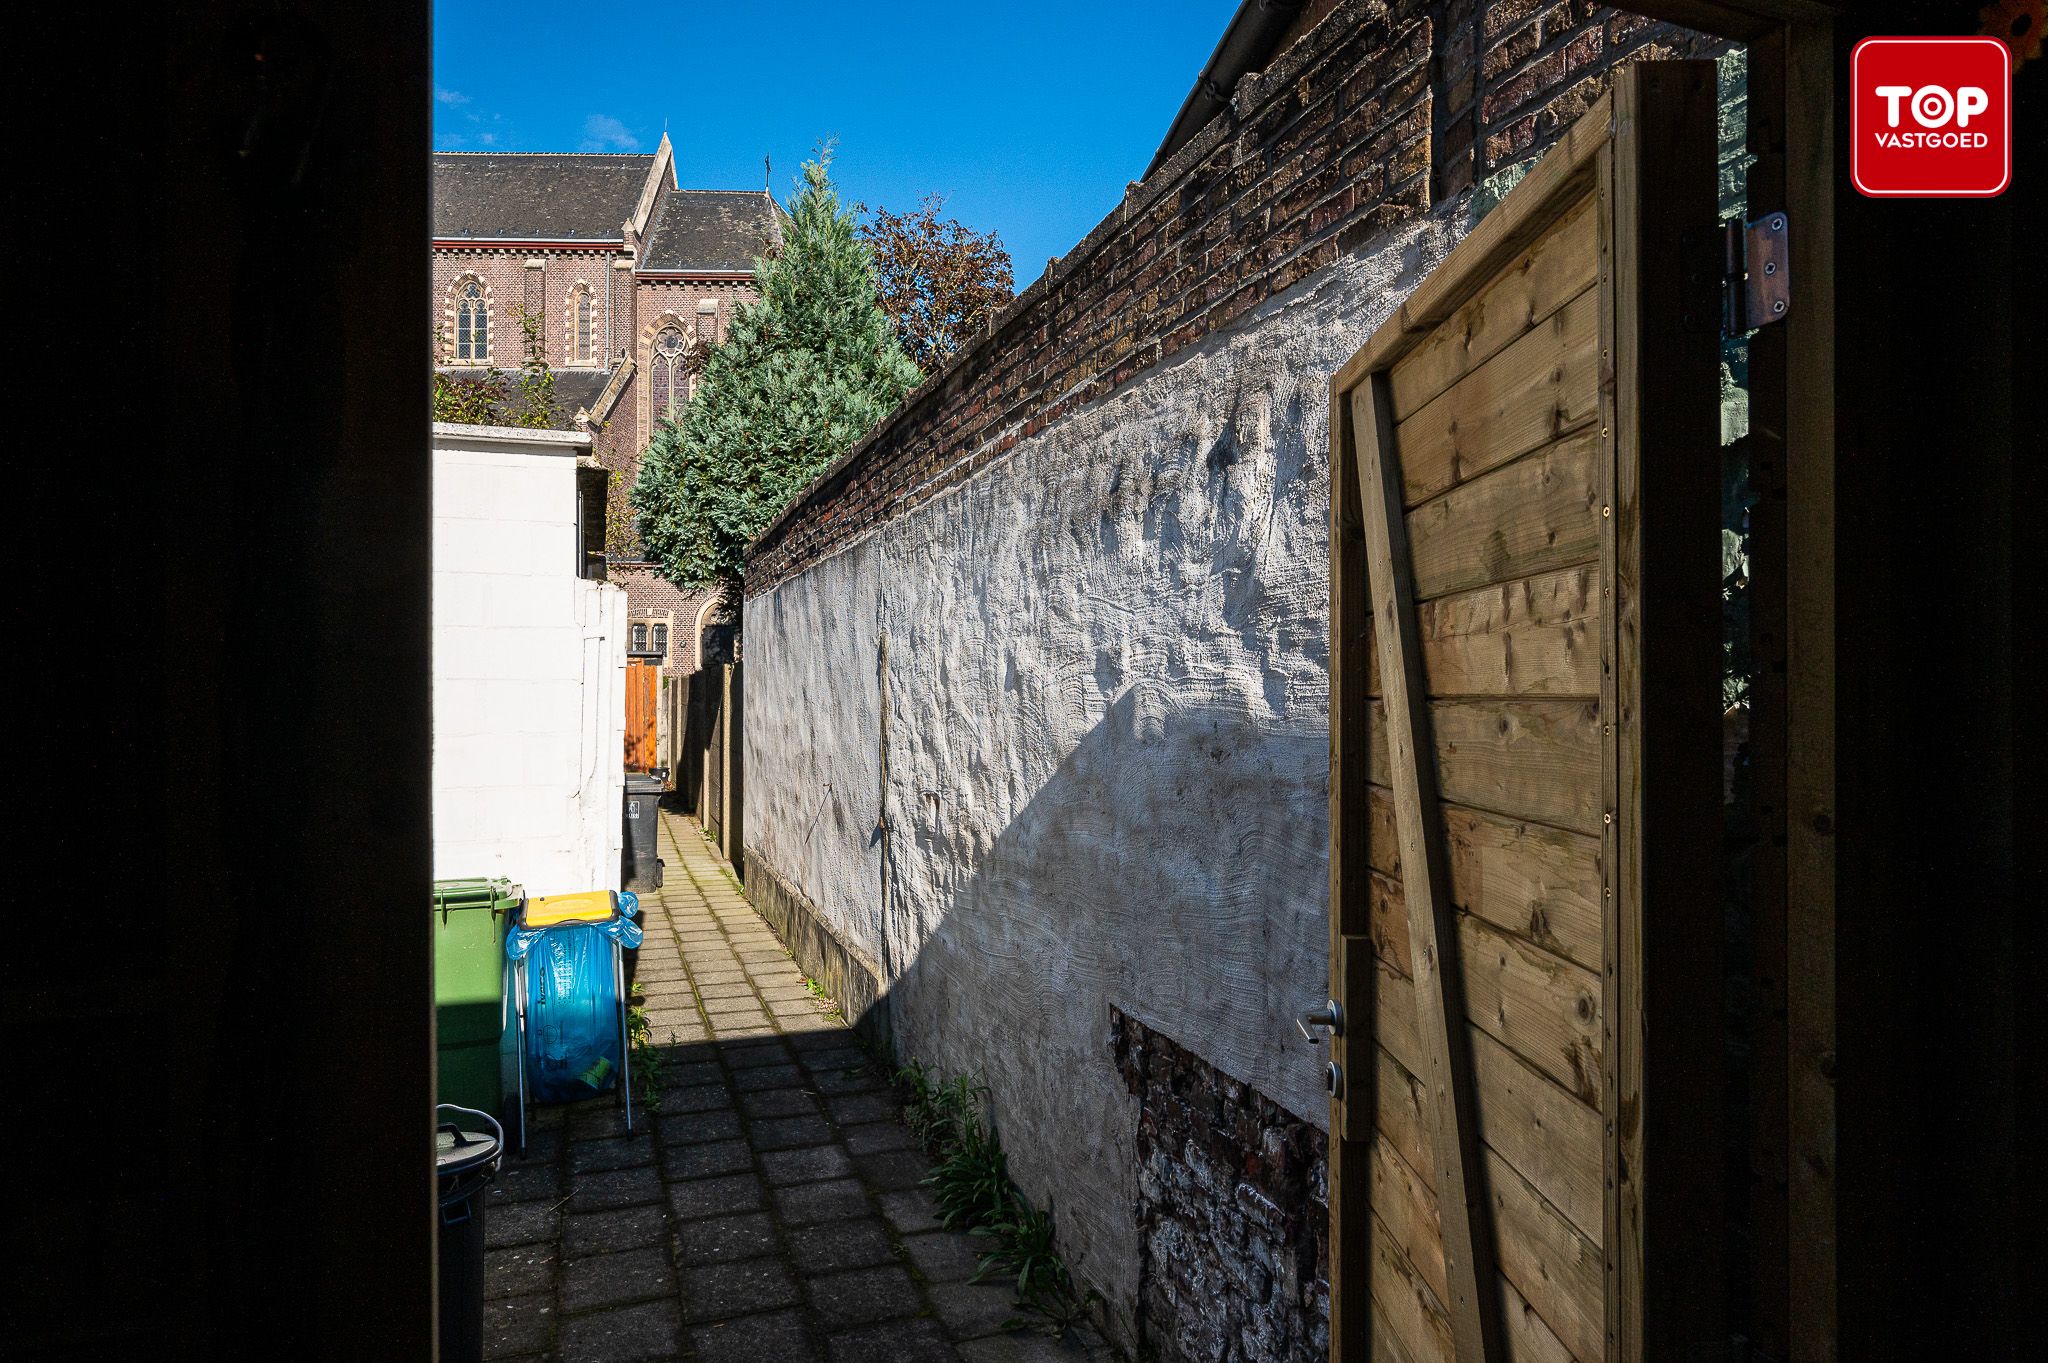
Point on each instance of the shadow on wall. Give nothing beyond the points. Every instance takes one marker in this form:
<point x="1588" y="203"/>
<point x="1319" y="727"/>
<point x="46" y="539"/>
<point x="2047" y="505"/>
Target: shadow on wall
<point x="1168" y="879"/>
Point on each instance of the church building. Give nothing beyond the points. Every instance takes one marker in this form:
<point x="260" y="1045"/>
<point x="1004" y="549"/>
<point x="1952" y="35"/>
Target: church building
<point x="633" y="278"/>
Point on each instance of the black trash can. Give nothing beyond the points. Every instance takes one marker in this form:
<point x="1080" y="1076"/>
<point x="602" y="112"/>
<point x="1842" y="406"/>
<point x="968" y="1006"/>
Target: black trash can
<point x="642" y="868"/>
<point x="467" y="1146"/>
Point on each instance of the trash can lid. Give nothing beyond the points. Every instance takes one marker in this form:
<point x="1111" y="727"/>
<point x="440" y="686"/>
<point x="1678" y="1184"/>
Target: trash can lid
<point x="459" y="1148"/>
<point x="476" y="893"/>
<point x="640" y="783"/>
<point x="586" y="906"/>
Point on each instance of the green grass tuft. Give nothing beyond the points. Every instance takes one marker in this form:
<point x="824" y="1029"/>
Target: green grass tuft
<point x="971" y="1184"/>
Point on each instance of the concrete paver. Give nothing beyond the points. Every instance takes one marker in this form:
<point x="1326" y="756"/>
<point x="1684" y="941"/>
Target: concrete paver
<point x="768" y="1210"/>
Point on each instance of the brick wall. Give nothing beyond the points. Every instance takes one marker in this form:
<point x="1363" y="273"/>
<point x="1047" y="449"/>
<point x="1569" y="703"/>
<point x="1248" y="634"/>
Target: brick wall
<point x="1376" y="114"/>
<point x="512" y="283"/>
<point x="652" y="597"/>
<point x="1233" y="1214"/>
<point x="1515" y="74"/>
<point x="659" y="302"/>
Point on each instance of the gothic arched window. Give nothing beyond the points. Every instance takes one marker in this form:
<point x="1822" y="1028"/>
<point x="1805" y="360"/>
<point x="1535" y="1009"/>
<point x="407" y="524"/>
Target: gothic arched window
<point x="667" y="391"/>
<point x="472" y="325"/>
<point x="580" y="332"/>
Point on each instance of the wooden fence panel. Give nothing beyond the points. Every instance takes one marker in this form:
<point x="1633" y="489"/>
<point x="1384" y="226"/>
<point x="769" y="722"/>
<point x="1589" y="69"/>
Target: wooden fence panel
<point x="733" y="826"/>
<point x="711" y="813"/>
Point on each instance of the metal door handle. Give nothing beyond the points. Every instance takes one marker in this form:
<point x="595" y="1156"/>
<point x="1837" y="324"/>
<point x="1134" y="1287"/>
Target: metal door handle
<point x="1329" y="1017"/>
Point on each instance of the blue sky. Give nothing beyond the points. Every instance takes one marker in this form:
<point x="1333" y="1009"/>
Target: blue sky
<point x="1030" y="119"/>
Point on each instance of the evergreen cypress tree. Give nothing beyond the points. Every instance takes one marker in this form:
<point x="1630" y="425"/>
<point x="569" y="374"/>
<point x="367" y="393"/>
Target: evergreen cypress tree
<point x="801" y="376"/>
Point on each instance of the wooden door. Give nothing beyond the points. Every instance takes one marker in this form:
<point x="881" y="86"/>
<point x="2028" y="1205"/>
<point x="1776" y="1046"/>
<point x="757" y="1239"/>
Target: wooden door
<point x="642" y="751"/>
<point x="1524" y="729"/>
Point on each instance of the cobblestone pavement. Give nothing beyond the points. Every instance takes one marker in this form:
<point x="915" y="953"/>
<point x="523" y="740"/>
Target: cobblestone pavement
<point x="770" y="1210"/>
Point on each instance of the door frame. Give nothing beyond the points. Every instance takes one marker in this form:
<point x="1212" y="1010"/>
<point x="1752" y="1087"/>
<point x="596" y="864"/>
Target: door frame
<point x="1793" y="61"/>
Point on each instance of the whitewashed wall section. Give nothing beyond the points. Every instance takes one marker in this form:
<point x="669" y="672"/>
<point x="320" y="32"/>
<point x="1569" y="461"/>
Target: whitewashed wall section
<point x="529" y="674"/>
<point x="1107" y="754"/>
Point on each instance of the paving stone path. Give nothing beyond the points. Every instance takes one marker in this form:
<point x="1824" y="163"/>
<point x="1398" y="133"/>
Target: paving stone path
<point x="770" y="1210"/>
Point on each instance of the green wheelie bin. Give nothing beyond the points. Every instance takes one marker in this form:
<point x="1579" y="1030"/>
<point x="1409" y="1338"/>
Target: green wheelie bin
<point x="478" y="1055"/>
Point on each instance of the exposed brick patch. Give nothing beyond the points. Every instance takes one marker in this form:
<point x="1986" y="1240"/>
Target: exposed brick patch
<point x="1376" y="113"/>
<point x="1232" y="1212"/>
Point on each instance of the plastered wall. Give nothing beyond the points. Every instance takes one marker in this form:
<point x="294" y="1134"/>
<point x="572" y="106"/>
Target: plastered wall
<point x="529" y="673"/>
<point x="1057" y="740"/>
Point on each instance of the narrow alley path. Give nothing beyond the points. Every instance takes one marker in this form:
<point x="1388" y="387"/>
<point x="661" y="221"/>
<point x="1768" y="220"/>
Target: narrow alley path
<point x="770" y="1210"/>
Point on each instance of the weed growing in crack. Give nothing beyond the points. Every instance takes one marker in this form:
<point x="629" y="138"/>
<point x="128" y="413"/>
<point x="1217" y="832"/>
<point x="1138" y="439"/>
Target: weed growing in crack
<point x="971" y="1183"/>
<point x="650" y="1062"/>
<point x="817" y="991"/>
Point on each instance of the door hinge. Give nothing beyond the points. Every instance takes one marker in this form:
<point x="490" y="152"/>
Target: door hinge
<point x="1756" y="273"/>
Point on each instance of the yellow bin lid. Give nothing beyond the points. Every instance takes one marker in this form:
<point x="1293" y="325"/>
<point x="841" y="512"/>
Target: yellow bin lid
<point x="585" y="906"/>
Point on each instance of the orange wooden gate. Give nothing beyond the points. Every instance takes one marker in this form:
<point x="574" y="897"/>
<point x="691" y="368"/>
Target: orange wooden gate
<point x="643" y="681"/>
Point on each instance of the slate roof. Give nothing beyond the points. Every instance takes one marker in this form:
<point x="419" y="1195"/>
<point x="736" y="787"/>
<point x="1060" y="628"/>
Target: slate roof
<point x="578" y="388"/>
<point x="536" y="196"/>
<point x="708" y="229"/>
<point x="574" y="388"/>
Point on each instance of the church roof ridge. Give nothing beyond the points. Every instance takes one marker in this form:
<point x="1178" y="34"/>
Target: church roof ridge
<point x="494" y="151"/>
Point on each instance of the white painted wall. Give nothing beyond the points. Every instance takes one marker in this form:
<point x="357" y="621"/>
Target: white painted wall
<point x="529" y="669"/>
<point x="1107" y="733"/>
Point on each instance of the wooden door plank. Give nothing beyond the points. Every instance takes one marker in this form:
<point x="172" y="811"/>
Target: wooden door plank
<point x="1468" y="1246"/>
<point x="1543" y="1008"/>
<point x="1385" y="1347"/>
<point x="1547" y="1268"/>
<point x="1528" y="1337"/>
<point x="1620" y="1049"/>
<point x="1542" y="387"/>
<point x="1549" y="1137"/>
<point x="1540" y="512"/>
<point x="1810" y="893"/>
<point x="1402" y="1098"/>
<point x="1553" y="1265"/>
<point x="1526" y="759"/>
<point x="1539" y="759"/>
<point x="1552" y="1138"/>
<point x="1407" y="1206"/>
<point x="1417" y="1316"/>
<point x="1551" y="188"/>
<point x="1538" y="636"/>
<point x="1535" y="636"/>
<point x="1539" y="882"/>
<point x="1556" y="269"/>
<point x="1557" y="1269"/>
<point x="641" y="753"/>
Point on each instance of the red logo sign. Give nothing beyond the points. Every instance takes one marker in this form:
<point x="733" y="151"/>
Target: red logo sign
<point x="1930" y="118"/>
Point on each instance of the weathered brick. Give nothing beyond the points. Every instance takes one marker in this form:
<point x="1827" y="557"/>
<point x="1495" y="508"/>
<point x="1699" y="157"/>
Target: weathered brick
<point x="1382" y="116"/>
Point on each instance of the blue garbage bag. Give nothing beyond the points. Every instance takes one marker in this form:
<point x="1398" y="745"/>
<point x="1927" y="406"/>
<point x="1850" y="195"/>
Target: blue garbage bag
<point x="573" y="1007"/>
